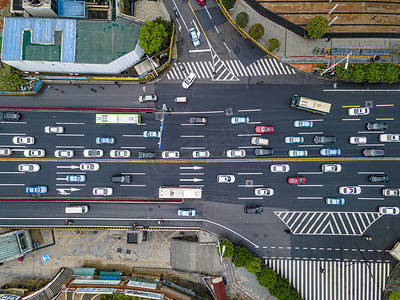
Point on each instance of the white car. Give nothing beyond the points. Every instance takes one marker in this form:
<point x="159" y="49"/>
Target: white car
<point x="263" y="192"/>
<point x="189" y="80"/>
<point x="5" y="151"/>
<point x="226" y="178"/>
<point x="54" y="129"/>
<point x="28" y="167"/>
<point x="34" y="153"/>
<point x="148" y="98"/>
<point x="358" y="111"/>
<point x="151" y="134"/>
<point x="89" y="166"/>
<point x="120" y="153"/>
<point x="240" y="120"/>
<point x="303" y="124"/>
<point x="64" y="153"/>
<point x="23" y="140"/>
<point x="93" y="153"/>
<point x="391" y="192"/>
<point x="391" y="138"/>
<point x="235" y="153"/>
<point x="389" y="210"/>
<point x="281" y="168"/>
<point x="349" y="190"/>
<point x="358" y="140"/>
<point x="102" y="191"/>
<point x="170" y="154"/>
<point x="201" y="154"/>
<point x="331" y="168"/>
<point x="298" y="153"/>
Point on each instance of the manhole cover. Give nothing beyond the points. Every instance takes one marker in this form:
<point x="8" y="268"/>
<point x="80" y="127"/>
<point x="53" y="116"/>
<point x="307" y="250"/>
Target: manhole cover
<point x="249" y="182"/>
<point x="236" y="50"/>
<point x="228" y="112"/>
<point x="369" y="103"/>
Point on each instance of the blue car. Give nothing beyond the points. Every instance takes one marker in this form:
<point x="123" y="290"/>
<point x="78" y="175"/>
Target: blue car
<point x="76" y="178"/>
<point x="329" y="152"/>
<point x="240" y="120"/>
<point x="101" y="140"/>
<point x="194" y="37"/>
<point x="335" y="201"/>
<point x="303" y="124"/>
<point x="36" y="189"/>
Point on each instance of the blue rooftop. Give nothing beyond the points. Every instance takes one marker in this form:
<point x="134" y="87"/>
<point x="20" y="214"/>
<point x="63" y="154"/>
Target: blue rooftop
<point x="71" y="9"/>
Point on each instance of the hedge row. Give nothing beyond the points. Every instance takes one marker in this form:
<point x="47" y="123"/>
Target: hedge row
<point x="372" y="72"/>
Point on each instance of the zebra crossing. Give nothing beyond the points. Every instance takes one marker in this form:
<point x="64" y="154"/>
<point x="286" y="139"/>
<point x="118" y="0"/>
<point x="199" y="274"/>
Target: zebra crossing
<point x="229" y="70"/>
<point x="330" y="280"/>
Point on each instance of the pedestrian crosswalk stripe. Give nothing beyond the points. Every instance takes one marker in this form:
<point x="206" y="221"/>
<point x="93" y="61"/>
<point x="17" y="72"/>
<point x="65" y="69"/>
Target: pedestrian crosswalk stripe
<point x="264" y="66"/>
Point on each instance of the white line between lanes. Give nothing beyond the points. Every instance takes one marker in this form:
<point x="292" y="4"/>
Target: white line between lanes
<point x="69" y="146"/>
<point x="191" y="173"/>
<point x="249" y="134"/>
<point x="12" y="184"/>
<point x="66" y="184"/>
<point x="249" y="147"/>
<point x="192" y="148"/>
<point x="216" y="29"/>
<point x="71" y="134"/>
<point x="192" y="136"/>
<point x="250" y="186"/>
<point x="250" y="173"/>
<point x="378" y="131"/>
<point x="372" y="185"/>
<point x="61" y="123"/>
<point x="317" y="132"/>
<point x="371" y="172"/>
<point x="196" y="112"/>
<point x="248" y="110"/>
<point x="371" y="199"/>
<point x="133" y="185"/>
<point x="207" y="12"/>
<point x="309" y="146"/>
<point x="310" y="185"/>
<point x="226" y="46"/>
<point x="316" y="173"/>
<point x="251" y="198"/>
<point x="309" y="198"/>
<point x="76" y="172"/>
<point x="13" y="172"/>
<point x="186" y="124"/>
<point x="12" y="133"/>
<point x="132" y="135"/>
<point x="367" y="145"/>
<point x="6" y="122"/>
<point x="134" y="173"/>
<point x="255" y="122"/>
<point x="134" y="147"/>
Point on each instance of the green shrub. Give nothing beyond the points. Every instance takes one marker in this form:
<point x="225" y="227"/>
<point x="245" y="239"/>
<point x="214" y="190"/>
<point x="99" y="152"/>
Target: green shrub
<point x="395" y="295"/>
<point x="228" y="4"/>
<point x="281" y="289"/>
<point x="240" y="257"/>
<point x="253" y="265"/>
<point x="390" y="72"/>
<point x="272" y="45"/>
<point x="358" y="72"/>
<point x="256" y="31"/>
<point x="242" y="19"/>
<point x="267" y="277"/>
<point x="373" y="72"/>
<point x="317" y="27"/>
<point x="229" y="248"/>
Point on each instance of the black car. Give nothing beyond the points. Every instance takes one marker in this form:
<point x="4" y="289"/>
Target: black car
<point x="377" y="126"/>
<point x="197" y="120"/>
<point x="253" y="209"/>
<point x="379" y="178"/>
<point x="121" y="179"/>
<point x="263" y="151"/>
<point x="147" y="154"/>
<point x="324" y="139"/>
<point x="374" y="152"/>
<point x="10" y="116"/>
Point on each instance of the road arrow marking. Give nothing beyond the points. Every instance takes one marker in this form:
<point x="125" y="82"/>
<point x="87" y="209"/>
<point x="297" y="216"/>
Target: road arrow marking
<point x="192" y="179"/>
<point x="191" y="168"/>
<point x="67" y="167"/>
<point x="64" y="191"/>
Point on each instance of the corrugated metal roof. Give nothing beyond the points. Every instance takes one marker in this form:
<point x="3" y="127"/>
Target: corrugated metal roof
<point x="71" y="9"/>
<point x="42" y="33"/>
<point x="9" y="248"/>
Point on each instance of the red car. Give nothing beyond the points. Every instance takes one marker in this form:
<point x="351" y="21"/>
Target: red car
<point x="296" y="180"/>
<point x="202" y="2"/>
<point x="264" y="129"/>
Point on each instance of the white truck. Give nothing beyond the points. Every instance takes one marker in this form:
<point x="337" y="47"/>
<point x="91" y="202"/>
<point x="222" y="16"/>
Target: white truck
<point x="180" y="192"/>
<point x="76" y="209"/>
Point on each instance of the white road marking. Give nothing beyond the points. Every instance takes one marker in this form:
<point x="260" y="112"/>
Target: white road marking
<point x="133" y="147"/>
<point x="196" y="112"/>
<point x="249" y="134"/>
<point x="309" y="185"/>
<point x="200" y="50"/>
<point x="184" y="23"/>
<point x="207" y="12"/>
<point x="186" y="124"/>
<point x="371" y="145"/>
<point x="371" y="172"/>
<point x="69" y="146"/>
<point x="252" y="123"/>
<point x="371" y="185"/>
<point x="70" y="184"/>
<point x="12" y="133"/>
<point x="250" y="186"/>
<point x="193" y="174"/>
<point x="12" y="184"/>
<point x="216" y="29"/>
<point x="226" y="46"/>
<point x="133" y="173"/>
<point x="245" y="110"/>
<point x="9" y="122"/>
<point x="64" y="123"/>
<point x="132" y="135"/>
<point x="302" y="146"/>
<point x="133" y="185"/>
<point x="14" y="172"/>
<point x="251" y="198"/>
<point x="71" y="134"/>
<point x="249" y="147"/>
<point x="250" y="173"/>
<point x="315" y="173"/>
<point x="381" y="199"/>
<point x="309" y="198"/>
<point x="192" y="148"/>
<point x="371" y="131"/>
<point x="192" y="136"/>
<point x="317" y="132"/>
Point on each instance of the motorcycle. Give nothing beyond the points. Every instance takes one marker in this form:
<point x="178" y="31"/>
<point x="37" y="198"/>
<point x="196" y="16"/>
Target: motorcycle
<point x="69" y="222"/>
<point x="367" y="238"/>
<point x="176" y="11"/>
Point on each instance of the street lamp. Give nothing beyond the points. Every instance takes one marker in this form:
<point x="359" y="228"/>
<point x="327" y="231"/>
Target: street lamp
<point x="345" y="66"/>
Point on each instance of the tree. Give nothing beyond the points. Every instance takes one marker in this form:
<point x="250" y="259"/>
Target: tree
<point x="240" y="257"/>
<point x="10" y="81"/>
<point x="256" y="31"/>
<point x="151" y="37"/>
<point x="390" y="72"/>
<point x="358" y="72"/>
<point x="253" y="265"/>
<point x="395" y="295"/>
<point x="267" y="277"/>
<point x="342" y="73"/>
<point x="228" y="4"/>
<point x="373" y="72"/>
<point x="242" y="19"/>
<point x="281" y="289"/>
<point x="293" y="294"/>
<point x="317" y="27"/>
<point x="168" y="25"/>
<point x="229" y="248"/>
<point x="272" y="45"/>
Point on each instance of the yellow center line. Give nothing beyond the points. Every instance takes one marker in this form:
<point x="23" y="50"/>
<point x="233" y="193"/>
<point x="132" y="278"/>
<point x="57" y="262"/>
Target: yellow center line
<point x="351" y="119"/>
<point x="384" y="119"/>
<point x="384" y="105"/>
<point x="198" y="21"/>
<point x="350" y="105"/>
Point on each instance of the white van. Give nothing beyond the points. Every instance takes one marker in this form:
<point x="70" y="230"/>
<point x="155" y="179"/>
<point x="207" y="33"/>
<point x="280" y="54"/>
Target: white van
<point x="260" y="141"/>
<point x="76" y="209"/>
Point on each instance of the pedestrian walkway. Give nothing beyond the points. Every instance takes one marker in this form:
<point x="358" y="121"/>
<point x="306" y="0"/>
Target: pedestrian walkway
<point x="204" y="69"/>
<point x="329" y="280"/>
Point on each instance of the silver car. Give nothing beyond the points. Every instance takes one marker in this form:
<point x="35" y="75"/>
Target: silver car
<point x="170" y="154"/>
<point x="93" y="153"/>
<point x="281" y="168"/>
<point x="64" y="153"/>
<point x="201" y="154"/>
<point x="235" y="153"/>
<point x="331" y="168"/>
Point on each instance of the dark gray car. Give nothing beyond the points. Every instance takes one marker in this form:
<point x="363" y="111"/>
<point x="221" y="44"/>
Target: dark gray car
<point x="324" y="139"/>
<point x="253" y="209"/>
<point x="374" y="152"/>
<point x="263" y="151"/>
<point x="121" y="179"/>
<point x="10" y="116"/>
<point x="377" y="126"/>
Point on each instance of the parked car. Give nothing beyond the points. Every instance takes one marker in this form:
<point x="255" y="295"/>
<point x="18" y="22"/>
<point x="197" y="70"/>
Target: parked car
<point x="147" y="154"/>
<point x="389" y="210"/>
<point x="29" y="168"/>
<point x="188" y="81"/>
<point x="148" y="98"/>
<point x="5" y="151"/>
<point x="263" y="151"/>
<point x="240" y="120"/>
<point x="331" y="168"/>
<point x="76" y="178"/>
<point x="120" y="153"/>
<point x="170" y="154"/>
<point x="64" y="153"/>
<point x="186" y="212"/>
<point x="102" y="191"/>
<point x="10" y="116"/>
<point x="36" y="189"/>
<point x="23" y="140"/>
<point x="389" y="137"/>
<point x="264" y="129"/>
<point x="335" y="201"/>
<point x="197" y="120"/>
<point x="34" y="153"/>
<point x="349" y="190"/>
<point x="89" y="167"/>
<point x="54" y="129"/>
<point x="297" y="180"/>
<point x="358" y="111"/>
<point x="358" y="140"/>
<point x="225" y="178"/>
<point x="201" y="154"/>
<point x="253" y="209"/>
<point x="294" y="140"/>
<point x="378" y="178"/>
<point x="377" y="126"/>
<point x="281" y="168"/>
<point x="329" y="152"/>
<point x="298" y="153"/>
<point x="264" y="192"/>
<point x="105" y="140"/>
<point x="255" y="140"/>
<point x="235" y="153"/>
<point x="324" y="139"/>
<point x="121" y="178"/>
<point x="303" y="124"/>
<point x="194" y="36"/>
<point x="391" y="192"/>
<point x="373" y="152"/>
<point x="93" y="153"/>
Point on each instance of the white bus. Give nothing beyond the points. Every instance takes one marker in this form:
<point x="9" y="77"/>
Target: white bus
<point x="180" y="192"/>
<point x="310" y="105"/>
<point x="133" y="119"/>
